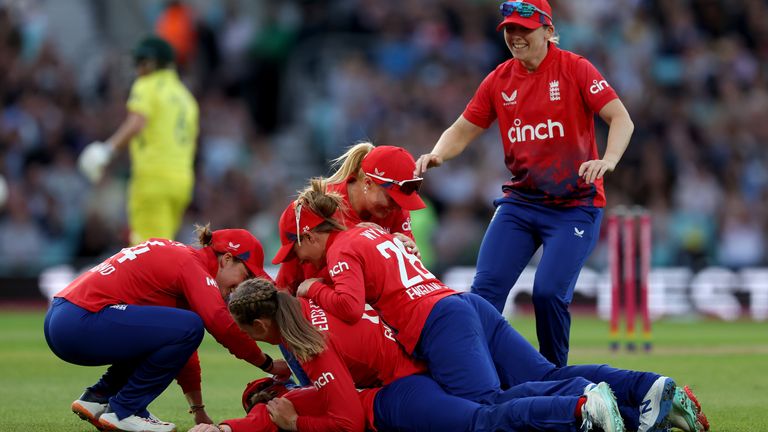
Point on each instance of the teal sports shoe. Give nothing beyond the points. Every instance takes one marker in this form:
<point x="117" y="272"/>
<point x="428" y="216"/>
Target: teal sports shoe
<point x="686" y="412"/>
<point x="600" y="410"/>
<point x="656" y="406"/>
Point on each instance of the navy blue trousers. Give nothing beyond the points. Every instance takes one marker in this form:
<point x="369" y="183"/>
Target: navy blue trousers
<point x="417" y="403"/>
<point x="519" y="366"/>
<point x="145" y="346"/>
<point x="518" y="228"/>
<point x="456" y="348"/>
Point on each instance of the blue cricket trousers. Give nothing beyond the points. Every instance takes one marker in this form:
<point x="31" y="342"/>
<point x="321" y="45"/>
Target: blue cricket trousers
<point x="518" y="228"/>
<point x="519" y="366"/>
<point x="417" y="403"/>
<point x="456" y="349"/>
<point x="145" y="346"/>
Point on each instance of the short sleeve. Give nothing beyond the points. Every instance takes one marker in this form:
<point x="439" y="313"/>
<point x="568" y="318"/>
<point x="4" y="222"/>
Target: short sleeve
<point x="480" y="110"/>
<point x="140" y="99"/>
<point x="594" y="89"/>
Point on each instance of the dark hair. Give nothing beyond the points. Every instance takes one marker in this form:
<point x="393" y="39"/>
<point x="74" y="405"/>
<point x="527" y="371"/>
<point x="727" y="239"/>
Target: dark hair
<point x="258" y="298"/>
<point x="204" y="234"/>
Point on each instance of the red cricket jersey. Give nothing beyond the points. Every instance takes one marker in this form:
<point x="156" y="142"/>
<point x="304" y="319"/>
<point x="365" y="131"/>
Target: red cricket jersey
<point x="292" y="273"/>
<point x="368" y="265"/>
<point x="546" y="120"/>
<point x="162" y="272"/>
<point x="370" y="354"/>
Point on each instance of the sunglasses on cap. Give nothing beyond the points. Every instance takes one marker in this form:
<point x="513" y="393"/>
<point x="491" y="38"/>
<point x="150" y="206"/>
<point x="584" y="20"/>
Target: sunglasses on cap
<point x="406" y="186"/>
<point x="525" y="10"/>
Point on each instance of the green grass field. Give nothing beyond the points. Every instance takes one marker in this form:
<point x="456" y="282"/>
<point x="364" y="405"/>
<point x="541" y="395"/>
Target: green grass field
<point x="725" y="363"/>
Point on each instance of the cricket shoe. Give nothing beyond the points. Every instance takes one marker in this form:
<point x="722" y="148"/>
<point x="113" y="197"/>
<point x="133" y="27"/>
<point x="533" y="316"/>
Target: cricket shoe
<point x="134" y="423"/>
<point x="600" y="411"/>
<point x="90" y="409"/>
<point x="656" y="406"/>
<point x="686" y="412"/>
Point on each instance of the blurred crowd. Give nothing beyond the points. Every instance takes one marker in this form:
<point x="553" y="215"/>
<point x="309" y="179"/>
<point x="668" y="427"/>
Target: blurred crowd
<point x="285" y="86"/>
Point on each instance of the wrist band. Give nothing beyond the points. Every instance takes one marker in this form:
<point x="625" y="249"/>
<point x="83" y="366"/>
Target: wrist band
<point x="268" y="363"/>
<point x="195" y="408"/>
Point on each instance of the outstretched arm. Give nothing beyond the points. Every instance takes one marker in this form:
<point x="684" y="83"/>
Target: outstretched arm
<point x="452" y="142"/>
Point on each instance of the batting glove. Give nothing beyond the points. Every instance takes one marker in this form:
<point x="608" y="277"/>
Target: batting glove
<point x="94" y="159"/>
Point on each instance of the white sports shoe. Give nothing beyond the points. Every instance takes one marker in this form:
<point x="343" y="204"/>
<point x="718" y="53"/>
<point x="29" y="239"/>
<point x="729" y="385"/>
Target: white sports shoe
<point x="89" y="411"/>
<point x="656" y="405"/>
<point x="133" y="423"/>
<point x="600" y="410"/>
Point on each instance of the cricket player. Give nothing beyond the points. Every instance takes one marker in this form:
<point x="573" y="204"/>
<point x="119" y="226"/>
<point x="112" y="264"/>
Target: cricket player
<point x="545" y="100"/>
<point x="161" y="128"/>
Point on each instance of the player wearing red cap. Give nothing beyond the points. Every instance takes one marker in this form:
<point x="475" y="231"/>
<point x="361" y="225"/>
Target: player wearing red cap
<point x="544" y="99"/>
<point x="377" y="185"/>
<point x="143" y="312"/>
<point x="367" y="353"/>
<point x="469" y="347"/>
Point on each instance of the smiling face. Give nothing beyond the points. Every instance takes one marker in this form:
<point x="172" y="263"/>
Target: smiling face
<point x="528" y="46"/>
<point x="231" y="272"/>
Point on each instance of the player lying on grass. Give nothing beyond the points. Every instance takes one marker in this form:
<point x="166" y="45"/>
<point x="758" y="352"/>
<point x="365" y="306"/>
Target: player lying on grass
<point x="339" y="357"/>
<point x="143" y="312"/>
<point x="440" y="326"/>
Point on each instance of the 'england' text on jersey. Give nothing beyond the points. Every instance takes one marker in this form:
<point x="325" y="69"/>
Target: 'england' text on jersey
<point x="423" y="289"/>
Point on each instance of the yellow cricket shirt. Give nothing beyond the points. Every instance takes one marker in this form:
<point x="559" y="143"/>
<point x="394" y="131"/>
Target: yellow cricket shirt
<point x="165" y="148"/>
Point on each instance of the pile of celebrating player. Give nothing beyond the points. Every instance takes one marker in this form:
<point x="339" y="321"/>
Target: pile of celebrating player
<point x="375" y="340"/>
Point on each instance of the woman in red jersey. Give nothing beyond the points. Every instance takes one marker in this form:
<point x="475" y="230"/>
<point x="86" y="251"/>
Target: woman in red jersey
<point x="470" y="349"/>
<point x="408" y="400"/>
<point x="545" y="100"/>
<point x="377" y="185"/>
<point x="143" y="312"/>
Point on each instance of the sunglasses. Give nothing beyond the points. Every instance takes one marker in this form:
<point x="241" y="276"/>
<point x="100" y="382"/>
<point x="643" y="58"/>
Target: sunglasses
<point x="525" y="10"/>
<point x="406" y="186"/>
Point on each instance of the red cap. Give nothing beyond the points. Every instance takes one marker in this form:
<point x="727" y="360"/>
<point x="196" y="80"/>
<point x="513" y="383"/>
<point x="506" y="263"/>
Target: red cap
<point x="262" y="384"/>
<point x="532" y="22"/>
<point x="243" y="246"/>
<point x="289" y="228"/>
<point x="390" y="167"/>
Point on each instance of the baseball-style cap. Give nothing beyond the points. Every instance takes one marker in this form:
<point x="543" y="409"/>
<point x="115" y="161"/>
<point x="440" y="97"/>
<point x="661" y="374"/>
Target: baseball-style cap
<point x="530" y="14"/>
<point x="291" y="223"/>
<point x="243" y="246"/>
<point x="267" y="384"/>
<point x="392" y="168"/>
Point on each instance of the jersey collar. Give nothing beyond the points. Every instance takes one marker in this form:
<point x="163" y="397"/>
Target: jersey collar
<point x="552" y="51"/>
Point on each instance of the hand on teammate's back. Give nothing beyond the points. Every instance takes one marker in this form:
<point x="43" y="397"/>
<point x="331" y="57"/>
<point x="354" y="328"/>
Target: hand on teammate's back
<point x="280" y="370"/>
<point x="303" y="288"/>
<point x="283" y="413"/>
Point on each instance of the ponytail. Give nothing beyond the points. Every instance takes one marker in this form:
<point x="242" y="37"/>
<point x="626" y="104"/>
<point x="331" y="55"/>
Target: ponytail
<point x="204" y="234"/>
<point x="257" y="298"/>
<point x="349" y="163"/>
<point x="324" y="204"/>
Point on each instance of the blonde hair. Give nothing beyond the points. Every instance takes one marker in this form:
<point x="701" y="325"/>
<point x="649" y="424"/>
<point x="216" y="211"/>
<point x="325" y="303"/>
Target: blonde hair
<point x="257" y="298"/>
<point x="349" y="163"/>
<point x="324" y="204"/>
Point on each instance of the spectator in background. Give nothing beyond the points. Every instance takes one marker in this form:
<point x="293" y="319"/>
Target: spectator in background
<point x="545" y="99"/>
<point x="162" y="128"/>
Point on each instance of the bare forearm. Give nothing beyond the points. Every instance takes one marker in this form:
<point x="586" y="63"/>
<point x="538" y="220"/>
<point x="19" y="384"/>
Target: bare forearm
<point x="619" y="133"/>
<point x="131" y="126"/>
<point x="456" y="138"/>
